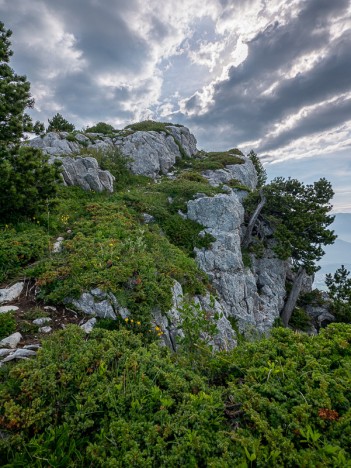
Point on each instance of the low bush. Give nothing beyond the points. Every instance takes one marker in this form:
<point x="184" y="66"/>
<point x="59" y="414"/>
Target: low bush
<point x="113" y="400"/>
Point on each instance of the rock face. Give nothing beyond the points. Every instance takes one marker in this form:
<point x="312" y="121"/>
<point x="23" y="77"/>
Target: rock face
<point x="85" y="173"/>
<point x="12" y="293"/>
<point x="254" y="297"/>
<point x="245" y="173"/>
<point x="150" y="153"/>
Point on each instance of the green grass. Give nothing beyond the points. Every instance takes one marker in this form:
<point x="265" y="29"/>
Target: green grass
<point x="211" y="161"/>
<point x="151" y="125"/>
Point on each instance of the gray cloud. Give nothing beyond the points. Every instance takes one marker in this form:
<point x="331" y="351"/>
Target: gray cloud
<point x="239" y="104"/>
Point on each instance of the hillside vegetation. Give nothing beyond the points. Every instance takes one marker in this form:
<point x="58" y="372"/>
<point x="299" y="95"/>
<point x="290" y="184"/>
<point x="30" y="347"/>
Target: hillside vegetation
<point x="115" y="395"/>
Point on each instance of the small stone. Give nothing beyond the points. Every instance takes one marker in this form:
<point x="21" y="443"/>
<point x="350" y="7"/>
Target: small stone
<point x="42" y="320"/>
<point x="33" y="347"/>
<point x="52" y="308"/>
<point x="57" y="248"/>
<point x="9" y="294"/>
<point x="147" y="218"/>
<point x="89" y="325"/>
<point x="20" y="354"/>
<point x="4" y="309"/>
<point x="45" y="330"/>
<point x="11" y="341"/>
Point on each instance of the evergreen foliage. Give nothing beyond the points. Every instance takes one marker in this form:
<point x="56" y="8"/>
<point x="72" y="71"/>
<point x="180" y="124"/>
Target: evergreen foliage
<point x="28" y="181"/>
<point x="339" y="290"/>
<point x="14" y="96"/>
<point x="261" y="171"/>
<point x="59" y="124"/>
<point x="112" y="400"/>
<point x="101" y="127"/>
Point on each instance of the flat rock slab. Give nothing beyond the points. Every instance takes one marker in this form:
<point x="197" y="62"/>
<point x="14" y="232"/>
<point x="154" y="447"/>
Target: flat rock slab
<point x="41" y="321"/>
<point x="11" y="341"/>
<point x="12" y="293"/>
<point x="5" y="309"/>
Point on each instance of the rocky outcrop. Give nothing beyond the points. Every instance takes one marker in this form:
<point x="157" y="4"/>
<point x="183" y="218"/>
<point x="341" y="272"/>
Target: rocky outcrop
<point x="150" y="153"/>
<point x="11" y="293"/>
<point x="253" y="296"/>
<point x="244" y="173"/>
<point x="99" y="303"/>
<point x="85" y="173"/>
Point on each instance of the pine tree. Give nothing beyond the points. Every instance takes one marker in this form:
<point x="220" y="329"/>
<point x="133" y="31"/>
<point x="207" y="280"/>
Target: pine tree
<point x="59" y="124"/>
<point x="299" y="217"/>
<point x="27" y="180"/>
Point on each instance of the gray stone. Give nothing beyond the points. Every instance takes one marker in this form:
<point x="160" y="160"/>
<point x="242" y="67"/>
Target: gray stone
<point x="89" y="325"/>
<point x="11" y="293"/>
<point x="185" y="138"/>
<point x="33" y="347"/>
<point x="243" y="173"/>
<point x="41" y="321"/>
<point x="85" y="173"/>
<point x="254" y="297"/>
<point x="57" y="247"/>
<point x="11" y="341"/>
<point x="147" y="218"/>
<point x="151" y="153"/>
<point x="100" y="303"/>
<point x="5" y="351"/>
<point x="45" y="329"/>
<point x="5" y="309"/>
<point x="20" y="354"/>
<point x="221" y="212"/>
<point x="51" y="308"/>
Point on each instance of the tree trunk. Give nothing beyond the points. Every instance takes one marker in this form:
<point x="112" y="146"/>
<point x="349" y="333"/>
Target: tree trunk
<point x="252" y="222"/>
<point x="293" y="296"/>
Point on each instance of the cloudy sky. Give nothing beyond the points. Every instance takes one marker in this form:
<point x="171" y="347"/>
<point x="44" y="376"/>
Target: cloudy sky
<point x="272" y="75"/>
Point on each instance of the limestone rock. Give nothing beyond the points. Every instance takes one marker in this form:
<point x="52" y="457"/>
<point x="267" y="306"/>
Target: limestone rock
<point x="11" y="293"/>
<point x="185" y="138"/>
<point x="11" y="341"/>
<point x="46" y="329"/>
<point x="85" y="173"/>
<point x="41" y="321"/>
<point x="5" y="309"/>
<point x="99" y="303"/>
<point x="57" y="247"/>
<point x="244" y="173"/>
<point x="89" y="325"/>
<point x="20" y="354"/>
<point x="151" y="153"/>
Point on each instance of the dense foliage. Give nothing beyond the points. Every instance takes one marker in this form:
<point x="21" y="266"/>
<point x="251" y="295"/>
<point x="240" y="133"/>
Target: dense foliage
<point x="101" y="127"/>
<point x="15" y="96"/>
<point x="59" y="124"/>
<point x="112" y="400"/>
<point x="339" y="290"/>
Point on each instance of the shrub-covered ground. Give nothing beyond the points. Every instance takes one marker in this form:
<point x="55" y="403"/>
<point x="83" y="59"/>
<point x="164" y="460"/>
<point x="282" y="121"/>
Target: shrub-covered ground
<point x="114" y="400"/>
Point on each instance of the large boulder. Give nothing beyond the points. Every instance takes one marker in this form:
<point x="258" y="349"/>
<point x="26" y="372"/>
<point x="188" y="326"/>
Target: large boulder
<point x="85" y="173"/>
<point x="253" y="296"/>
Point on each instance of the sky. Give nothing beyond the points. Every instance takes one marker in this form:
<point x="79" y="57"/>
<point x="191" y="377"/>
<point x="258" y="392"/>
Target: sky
<point x="268" y="75"/>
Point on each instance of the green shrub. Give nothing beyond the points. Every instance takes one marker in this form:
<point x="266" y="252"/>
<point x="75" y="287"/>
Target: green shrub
<point x="101" y="127"/>
<point x="210" y="161"/>
<point x="151" y="125"/>
<point x="59" y="124"/>
<point x="109" y="249"/>
<point x="20" y="246"/>
<point x="28" y="183"/>
<point x="109" y="401"/>
<point x="300" y="320"/>
<point x="7" y="324"/>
